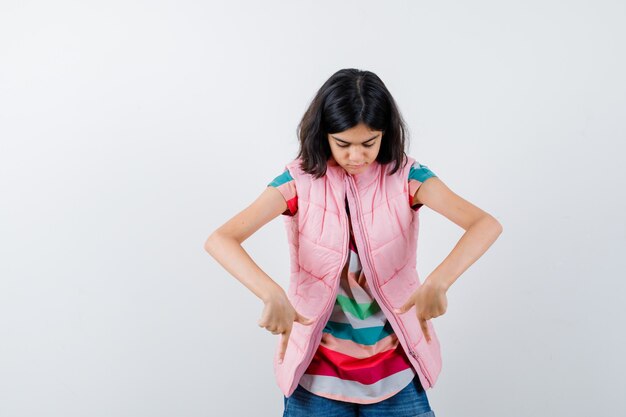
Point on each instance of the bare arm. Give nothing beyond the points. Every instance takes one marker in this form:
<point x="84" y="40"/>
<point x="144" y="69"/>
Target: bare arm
<point x="224" y="244"/>
<point x="481" y="229"/>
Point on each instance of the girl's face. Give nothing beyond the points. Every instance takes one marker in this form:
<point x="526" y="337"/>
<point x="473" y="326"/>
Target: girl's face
<point x="356" y="148"/>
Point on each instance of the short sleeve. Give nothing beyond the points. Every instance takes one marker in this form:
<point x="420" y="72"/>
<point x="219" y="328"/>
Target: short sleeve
<point x="417" y="175"/>
<point x="287" y="187"/>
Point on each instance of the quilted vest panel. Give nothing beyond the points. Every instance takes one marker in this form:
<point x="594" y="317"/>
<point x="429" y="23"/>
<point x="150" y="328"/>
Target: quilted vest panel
<point x="385" y="230"/>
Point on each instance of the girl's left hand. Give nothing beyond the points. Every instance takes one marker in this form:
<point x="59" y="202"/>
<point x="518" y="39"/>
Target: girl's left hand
<point x="429" y="300"/>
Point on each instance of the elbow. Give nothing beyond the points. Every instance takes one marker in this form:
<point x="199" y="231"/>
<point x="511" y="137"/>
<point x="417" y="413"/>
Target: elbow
<point x="217" y="239"/>
<point x="211" y="241"/>
<point x="490" y="223"/>
<point x="497" y="226"/>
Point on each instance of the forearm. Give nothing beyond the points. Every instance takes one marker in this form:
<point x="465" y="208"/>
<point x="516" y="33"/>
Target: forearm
<point x="471" y="246"/>
<point x="232" y="256"/>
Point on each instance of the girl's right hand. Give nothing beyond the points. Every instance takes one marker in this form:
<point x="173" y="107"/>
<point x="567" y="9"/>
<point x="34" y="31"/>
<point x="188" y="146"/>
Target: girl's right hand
<point x="278" y="317"/>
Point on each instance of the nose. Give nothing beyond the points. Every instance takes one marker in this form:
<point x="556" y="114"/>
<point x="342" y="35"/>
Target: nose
<point x="356" y="156"/>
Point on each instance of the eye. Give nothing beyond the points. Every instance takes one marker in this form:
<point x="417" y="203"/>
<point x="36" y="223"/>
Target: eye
<point x="345" y="146"/>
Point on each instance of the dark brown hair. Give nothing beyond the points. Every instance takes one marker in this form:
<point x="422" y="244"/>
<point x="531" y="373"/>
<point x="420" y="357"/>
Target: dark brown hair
<point x="349" y="97"/>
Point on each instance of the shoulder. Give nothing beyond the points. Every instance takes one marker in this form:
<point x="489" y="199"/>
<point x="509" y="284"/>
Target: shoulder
<point x="420" y="172"/>
<point x="281" y="179"/>
<point x="291" y="170"/>
<point x="294" y="167"/>
<point x="286" y="185"/>
<point x="417" y="175"/>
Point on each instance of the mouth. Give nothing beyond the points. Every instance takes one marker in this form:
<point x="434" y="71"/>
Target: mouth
<point x="356" y="166"/>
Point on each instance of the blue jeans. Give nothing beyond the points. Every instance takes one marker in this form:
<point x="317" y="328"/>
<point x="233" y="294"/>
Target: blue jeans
<point x="410" y="402"/>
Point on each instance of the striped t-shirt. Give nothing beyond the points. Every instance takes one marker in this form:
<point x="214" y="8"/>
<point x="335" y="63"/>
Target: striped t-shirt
<point x="359" y="358"/>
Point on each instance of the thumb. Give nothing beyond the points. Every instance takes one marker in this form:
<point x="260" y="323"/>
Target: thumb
<point x="302" y="320"/>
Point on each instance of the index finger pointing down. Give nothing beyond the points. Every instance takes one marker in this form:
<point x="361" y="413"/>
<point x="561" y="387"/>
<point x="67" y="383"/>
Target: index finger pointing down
<point x="424" y="327"/>
<point x="283" y="345"/>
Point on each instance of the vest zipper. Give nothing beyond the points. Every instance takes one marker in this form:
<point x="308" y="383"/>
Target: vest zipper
<point x="366" y="256"/>
<point x="328" y="309"/>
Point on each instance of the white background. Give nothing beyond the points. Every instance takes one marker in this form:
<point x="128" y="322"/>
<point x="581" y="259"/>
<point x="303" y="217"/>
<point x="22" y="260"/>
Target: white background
<point x="130" y="130"/>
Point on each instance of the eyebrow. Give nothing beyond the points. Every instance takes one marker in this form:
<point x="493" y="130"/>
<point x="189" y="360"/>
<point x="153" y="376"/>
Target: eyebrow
<point x="341" y="140"/>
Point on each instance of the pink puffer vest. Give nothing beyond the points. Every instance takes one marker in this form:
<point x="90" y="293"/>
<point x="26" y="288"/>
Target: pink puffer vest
<point x="385" y="230"/>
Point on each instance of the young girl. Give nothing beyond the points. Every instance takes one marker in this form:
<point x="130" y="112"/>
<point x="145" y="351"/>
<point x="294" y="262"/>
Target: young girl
<point x="351" y="343"/>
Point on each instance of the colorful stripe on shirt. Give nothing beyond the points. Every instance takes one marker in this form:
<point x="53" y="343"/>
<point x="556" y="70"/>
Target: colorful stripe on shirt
<point x="417" y="175"/>
<point x="287" y="187"/>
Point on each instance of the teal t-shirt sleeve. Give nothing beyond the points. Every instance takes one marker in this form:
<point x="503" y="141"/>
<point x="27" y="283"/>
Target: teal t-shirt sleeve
<point x="287" y="187"/>
<point x="418" y="174"/>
